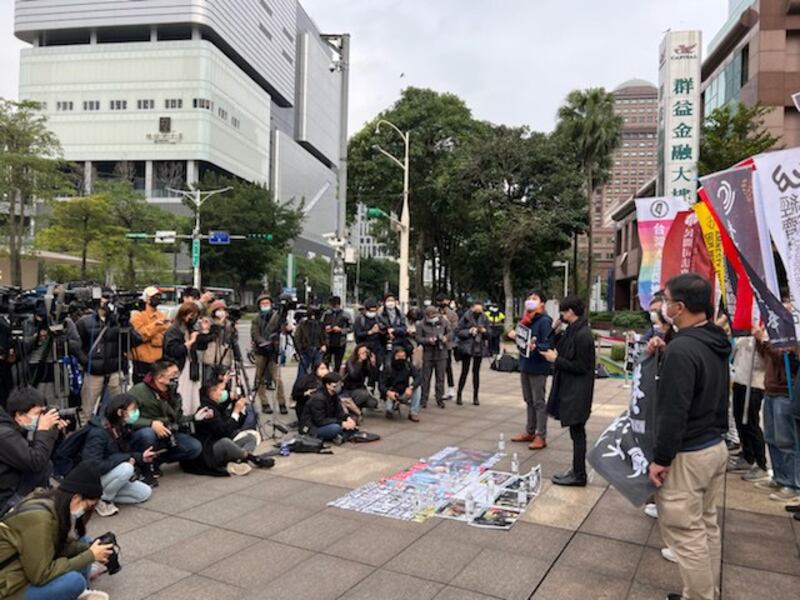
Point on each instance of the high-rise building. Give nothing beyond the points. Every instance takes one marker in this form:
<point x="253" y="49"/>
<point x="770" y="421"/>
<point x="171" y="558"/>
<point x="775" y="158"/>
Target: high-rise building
<point x="363" y="238"/>
<point x="164" y="92"/>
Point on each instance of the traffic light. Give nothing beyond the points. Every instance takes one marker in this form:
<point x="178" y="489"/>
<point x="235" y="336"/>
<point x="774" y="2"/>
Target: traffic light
<point x="376" y="213"/>
<point x="260" y="236"/>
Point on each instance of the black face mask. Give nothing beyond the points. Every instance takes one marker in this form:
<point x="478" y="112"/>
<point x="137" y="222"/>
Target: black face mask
<point x="191" y="323"/>
<point x="154" y="302"/>
<point x="399" y="362"/>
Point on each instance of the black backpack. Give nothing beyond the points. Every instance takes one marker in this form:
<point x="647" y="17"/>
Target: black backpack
<point x="506" y="364"/>
<point x="68" y="453"/>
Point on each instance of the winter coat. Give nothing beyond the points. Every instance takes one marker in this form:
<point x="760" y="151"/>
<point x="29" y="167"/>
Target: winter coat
<point x="309" y="382"/>
<point x="395" y="320"/>
<point x="398" y="378"/>
<point x="18" y="455"/>
<point x="775" y="380"/>
<point x="31" y="532"/>
<point x="222" y="425"/>
<point x="337" y="318"/>
<point x="745" y="360"/>
<point x="153" y="408"/>
<point x="309" y="336"/>
<point x="468" y="344"/>
<point x="107" y="447"/>
<point x="151" y="326"/>
<point x="542" y="329"/>
<point x="41" y="350"/>
<point x="375" y="342"/>
<point x="175" y="346"/>
<point x="356" y="374"/>
<point x="265" y="332"/>
<point x="452" y="319"/>
<point x="573" y="381"/>
<point x="105" y="358"/>
<point x="321" y="409"/>
<point x="433" y="337"/>
<point x="223" y="345"/>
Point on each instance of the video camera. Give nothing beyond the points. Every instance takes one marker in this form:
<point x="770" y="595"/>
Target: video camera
<point x="112" y="564"/>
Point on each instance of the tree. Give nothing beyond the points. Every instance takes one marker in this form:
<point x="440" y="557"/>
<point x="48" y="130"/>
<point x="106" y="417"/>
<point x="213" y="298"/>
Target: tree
<point x="374" y="275"/>
<point x="247" y="209"/>
<point x="30" y="169"/>
<point x="83" y="225"/>
<point x="732" y="133"/>
<point x="589" y="122"/>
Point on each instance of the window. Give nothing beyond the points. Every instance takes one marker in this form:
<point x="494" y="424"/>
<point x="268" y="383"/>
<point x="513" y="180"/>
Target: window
<point x="288" y="35"/>
<point x="43" y="105"/>
<point x="222" y="113"/>
<point x="235" y="122"/>
<point x="202" y="103"/>
<point x="173" y="103"/>
<point x="265" y="31"/>
<point x="287" y="57"/>
<point x="91" y="105"/>
<point x="118" y="105"/>
<point x="266" y="7"/>
<point x="145" y="104"/>
<point x="64" y="105"/>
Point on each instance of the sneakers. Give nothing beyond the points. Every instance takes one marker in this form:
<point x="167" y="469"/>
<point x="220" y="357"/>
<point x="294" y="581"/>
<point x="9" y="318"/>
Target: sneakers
<point x="756" y="473"/>
<point x="538" y="443"/>
<point x="451" y="391"/>
<point x="338" y="440"/>
<point x="770" y="485"/>
<point x="261" y="461"/>
<point x="93" y="595"/>
<point x="785" y="494"/>
<point x="283" y="409"/>
<point x="669" y="555"/>
<point x="651" y="511"/>
<point x="413" y="418"/>
<point x="267" y="409"/>
<point x="105" y="509"/>
<point x="526" y="437"/>
<point x="238" y="469"/>
<point x="674" y="597"/>
<point x="738" y="465"/>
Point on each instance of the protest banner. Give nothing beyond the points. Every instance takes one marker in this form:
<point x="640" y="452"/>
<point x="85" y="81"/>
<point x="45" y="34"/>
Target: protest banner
<point x="685" y="249"/>
<point x="713" y="243"/>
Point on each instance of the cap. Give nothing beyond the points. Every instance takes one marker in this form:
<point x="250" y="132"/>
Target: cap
<point x="431" y="311"/>
<point x="264" y="296"/>
<point x="370" y="303"/>
<point x="151" y="291"/>
<point x="84" y="480"/>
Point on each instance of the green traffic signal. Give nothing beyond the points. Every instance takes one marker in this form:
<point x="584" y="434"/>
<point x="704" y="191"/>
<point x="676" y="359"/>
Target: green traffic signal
<point x="260" y="236"/>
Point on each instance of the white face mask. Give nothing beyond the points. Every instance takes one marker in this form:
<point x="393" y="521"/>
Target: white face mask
<point x="390" y="305"/>
<point x="370" y="314"/>
<point x="654" y="319"/>
<point x="78" y="513"/>
<point x="664" y="314"/>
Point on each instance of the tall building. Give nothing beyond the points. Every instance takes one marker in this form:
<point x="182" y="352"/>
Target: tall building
<point x="755" y="57"/>
<point x="164" y="92"/>
<point x="363" y="238"/>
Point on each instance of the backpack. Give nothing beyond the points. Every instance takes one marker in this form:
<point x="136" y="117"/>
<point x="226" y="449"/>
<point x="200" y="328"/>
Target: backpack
<point x="505" y="364"/>
<point x="306" y="444"/>
<point x="68" y="453"/>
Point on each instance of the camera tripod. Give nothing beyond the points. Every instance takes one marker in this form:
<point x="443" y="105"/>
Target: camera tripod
<point x="267" y="427"/>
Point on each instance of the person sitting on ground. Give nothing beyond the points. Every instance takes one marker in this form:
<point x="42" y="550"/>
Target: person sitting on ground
<point x="161" y="416"/>
<point x="306" y="386"/>
<point x="227" y="447"/>
<point x="401" y="383"/>
<point x="357" y="371"/>
<point x="324" y="417"/>
<point x="108" y="446"/>
<point x="44" y="551"/>
<point x="28" y="435"/>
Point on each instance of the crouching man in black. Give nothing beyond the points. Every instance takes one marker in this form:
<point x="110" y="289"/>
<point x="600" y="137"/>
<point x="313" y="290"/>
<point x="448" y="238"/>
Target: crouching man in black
<point x="324" y="417"/>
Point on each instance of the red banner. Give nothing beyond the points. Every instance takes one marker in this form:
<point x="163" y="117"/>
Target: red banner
<point x="685" y="249"/>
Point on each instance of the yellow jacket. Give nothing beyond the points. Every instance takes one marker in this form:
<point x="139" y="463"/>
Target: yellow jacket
<point x="151" y="324"/>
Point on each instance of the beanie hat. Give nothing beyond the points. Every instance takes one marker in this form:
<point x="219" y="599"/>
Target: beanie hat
<point x="264" y="296"/>
<point x="84" y="480"/>
<point x="216" y="305"/>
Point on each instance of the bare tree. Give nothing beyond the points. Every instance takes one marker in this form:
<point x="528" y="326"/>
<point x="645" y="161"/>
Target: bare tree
<point x="170" y="174"/>
<point x="125" y="171"/>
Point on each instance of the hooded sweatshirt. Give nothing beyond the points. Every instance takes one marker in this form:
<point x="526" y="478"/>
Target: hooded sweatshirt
<point x="692" y="404"/>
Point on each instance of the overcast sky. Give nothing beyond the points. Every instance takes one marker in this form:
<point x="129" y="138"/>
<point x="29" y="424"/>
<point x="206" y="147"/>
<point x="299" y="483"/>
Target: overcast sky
<point x="512" y="61"/>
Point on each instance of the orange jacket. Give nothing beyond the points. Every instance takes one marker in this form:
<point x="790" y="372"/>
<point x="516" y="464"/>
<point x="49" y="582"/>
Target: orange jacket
<point x="151" y="324"/>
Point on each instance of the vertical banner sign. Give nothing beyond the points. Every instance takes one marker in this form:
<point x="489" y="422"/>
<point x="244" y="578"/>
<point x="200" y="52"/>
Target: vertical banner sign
<point x="679" y="114"/>
<point x="778" y="184"/>
<point x="730" y="198"/>
<point x="713" y="243"/>
<point x="685" y="249"/>
<point x="654" y="217"/>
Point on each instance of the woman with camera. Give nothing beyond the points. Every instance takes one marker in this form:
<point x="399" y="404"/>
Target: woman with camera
<point x="362" y="366"/>
<point x="108" y="445"/>
<point x="44" y="551"/>
<point x="223" y="341"/>
<point x="188" y="335"/>
<point x="307" y="385"/>
<point x="473" y="344"/>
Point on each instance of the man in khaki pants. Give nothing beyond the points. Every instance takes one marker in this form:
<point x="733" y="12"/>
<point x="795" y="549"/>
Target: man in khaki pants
<point x="691" y="417"/>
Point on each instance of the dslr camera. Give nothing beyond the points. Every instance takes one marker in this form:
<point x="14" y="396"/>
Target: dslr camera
<point x="113" y="560"/>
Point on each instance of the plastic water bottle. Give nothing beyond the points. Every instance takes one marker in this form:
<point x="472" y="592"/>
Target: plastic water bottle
<point x="522" y="496"/>
<point x="284" y="448"/>
<point x="515" y="463"/>
<point x="501" y="444"/>
<point x="469" y="506"/>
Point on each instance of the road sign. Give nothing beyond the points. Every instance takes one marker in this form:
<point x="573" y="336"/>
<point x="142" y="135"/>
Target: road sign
<point x="219" y="238"/>
<point x="287" y="291"/>
<point x="165" y="237"/>
<point x="195" y="253"/>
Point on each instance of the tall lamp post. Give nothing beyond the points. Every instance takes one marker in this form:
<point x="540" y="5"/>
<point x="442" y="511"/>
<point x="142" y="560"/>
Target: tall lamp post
<point x="405" y="218"/>
<point x="565" y="264"/>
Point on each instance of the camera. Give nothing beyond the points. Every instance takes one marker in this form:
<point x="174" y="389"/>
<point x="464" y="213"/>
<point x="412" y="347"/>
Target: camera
<point x="64" y="413"/>
<point x="234" y="312"/>
<point x="113" y="560"/>
<point x="171" y="441"/>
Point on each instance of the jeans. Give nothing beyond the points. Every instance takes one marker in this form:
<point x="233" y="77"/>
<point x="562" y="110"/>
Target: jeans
<point x="362" y="398"/>
<point x="330" y="431"/>
<point x="227" y="450"/>
<point x="533" y="391"/>
<point x="416" y="398"/>
<point x="186" y="447"/>
<point x="783" y="440"/>
<point x="118" y="487"/>
<point x="466" y="361"/>
<point x="750" y="434"/>
<point x="65" y="587"/>
<point x="578" y="435"/>
<point x="307" y="360"/>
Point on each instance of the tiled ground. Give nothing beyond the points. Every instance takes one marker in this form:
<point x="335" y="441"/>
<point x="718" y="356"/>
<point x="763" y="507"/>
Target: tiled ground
<point x="270" y="534"/>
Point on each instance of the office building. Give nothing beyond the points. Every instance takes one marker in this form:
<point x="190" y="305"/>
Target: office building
<point x="364" y="239"/>
<point x="164" y="92"/>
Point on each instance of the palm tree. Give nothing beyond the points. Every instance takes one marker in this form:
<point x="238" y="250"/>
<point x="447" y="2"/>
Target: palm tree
<point x="588" y="120"/>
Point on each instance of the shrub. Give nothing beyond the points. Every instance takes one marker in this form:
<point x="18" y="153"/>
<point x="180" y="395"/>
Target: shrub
<point x="630" y="319"/>
<point x="618" y="352"/>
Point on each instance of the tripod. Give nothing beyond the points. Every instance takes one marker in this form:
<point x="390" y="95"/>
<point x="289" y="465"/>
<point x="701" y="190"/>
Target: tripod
<point x="267" y="427"/>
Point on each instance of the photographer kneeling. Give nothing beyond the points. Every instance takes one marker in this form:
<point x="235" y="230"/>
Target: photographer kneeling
<point x="28" y="434"/>
<point x="44" y="551"/>
<point x="108" y="445"/>
<point x="161" y="417"/>
<point x="226" y="446"/>
<point x="324" y="416"/>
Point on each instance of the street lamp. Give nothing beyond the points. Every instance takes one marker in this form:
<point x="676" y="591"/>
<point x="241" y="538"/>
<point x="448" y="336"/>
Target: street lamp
<point x="565" y="264"/>
<point x="405" y="217"/>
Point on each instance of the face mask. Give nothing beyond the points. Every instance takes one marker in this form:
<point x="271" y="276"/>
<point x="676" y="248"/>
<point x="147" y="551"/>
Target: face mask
<point x="173" y="385"/>
<point x="654" y="317"/>
<point x="266" y="309"/>
<point x="433" y="321"/>
<point x="664" y="314"/>
<point x="191" y="323"/>
<point x="370" y="314"/>
<point x="477" y="311"/>
<point x="337" y="388"/>
<point x="399" y="362"/>
<point x="132" y="417"/>
<point x="78" y="513"/>
<point x="33" y="424"/>
<point x="154" y="302"/>
<point x="390" y="305"/>
<point x="224" y="397"/>
<point x="531" y="304"/>
<point x="221" y="314"/>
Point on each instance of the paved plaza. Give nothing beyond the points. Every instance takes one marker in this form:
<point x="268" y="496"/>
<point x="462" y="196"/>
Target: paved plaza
<point x="270" y="535"/>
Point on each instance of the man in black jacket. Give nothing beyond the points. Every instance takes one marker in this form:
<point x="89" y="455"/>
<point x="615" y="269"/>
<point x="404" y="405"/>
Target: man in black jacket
<point x="370" y="331"/>
<point x="28" y="434"/>
<point x="310" y="341"/>
<point x="337" y="325"/>
<point x="573" y="384"/>
<point x="324" y="416"/>
<point x="691" y="418"/>
<point x="265" y="332"/>
<point x="401" y="383"/>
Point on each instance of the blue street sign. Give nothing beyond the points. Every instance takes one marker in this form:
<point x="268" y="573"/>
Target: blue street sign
<point x="217" y="238"/>
<point x="289" y="291"/>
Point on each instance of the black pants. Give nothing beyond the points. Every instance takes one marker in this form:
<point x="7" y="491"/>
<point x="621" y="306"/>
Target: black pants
<point x="466" y="361"/>
<point x="449" y="371"/>
<point x="334" y="357"/>
<point x="578" y="435"/>
<point x="750" y="435"/>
